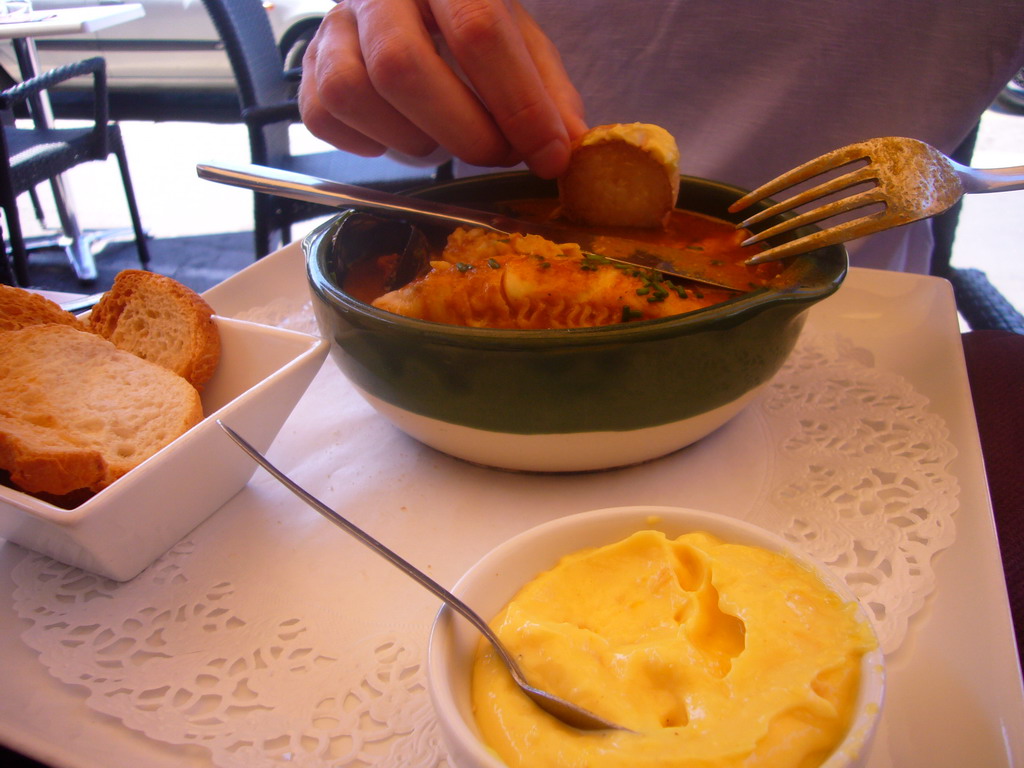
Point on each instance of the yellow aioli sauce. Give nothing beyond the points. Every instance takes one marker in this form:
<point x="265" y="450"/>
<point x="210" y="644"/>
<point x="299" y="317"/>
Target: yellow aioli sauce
<point x="713" y="654"/>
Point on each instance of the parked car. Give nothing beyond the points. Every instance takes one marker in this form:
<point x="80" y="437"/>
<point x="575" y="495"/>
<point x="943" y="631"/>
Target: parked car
<point x="173" y="50"/>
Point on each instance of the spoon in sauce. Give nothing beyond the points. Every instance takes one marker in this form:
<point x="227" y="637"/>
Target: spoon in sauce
<point x="568" y="713"/>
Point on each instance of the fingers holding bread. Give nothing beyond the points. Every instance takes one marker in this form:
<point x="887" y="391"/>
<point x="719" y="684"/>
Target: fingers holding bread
<point x="160" y="320"/>
<point x="624" y="174"/>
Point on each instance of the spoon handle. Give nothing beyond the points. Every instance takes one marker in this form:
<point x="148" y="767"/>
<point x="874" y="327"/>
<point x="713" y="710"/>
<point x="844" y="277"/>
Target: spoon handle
<point x="552" y="704"/>
<point x="410" y="570"/>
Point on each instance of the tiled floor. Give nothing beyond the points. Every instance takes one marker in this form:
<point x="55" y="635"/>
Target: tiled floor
<point x="176" y="204"/>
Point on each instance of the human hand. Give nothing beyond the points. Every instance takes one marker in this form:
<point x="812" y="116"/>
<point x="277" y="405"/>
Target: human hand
<point x="373" y="79"/>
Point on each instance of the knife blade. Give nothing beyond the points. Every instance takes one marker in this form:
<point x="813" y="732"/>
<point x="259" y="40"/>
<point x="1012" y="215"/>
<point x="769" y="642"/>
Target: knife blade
<point x="668" y="260"/>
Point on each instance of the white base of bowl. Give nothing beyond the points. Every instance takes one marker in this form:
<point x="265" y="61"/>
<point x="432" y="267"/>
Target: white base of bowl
<point x="571" y="452"/>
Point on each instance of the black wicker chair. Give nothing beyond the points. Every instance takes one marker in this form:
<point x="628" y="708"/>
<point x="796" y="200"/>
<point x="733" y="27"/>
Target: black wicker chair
<point x="266" y="92"/>
<point x="35" y="155"/>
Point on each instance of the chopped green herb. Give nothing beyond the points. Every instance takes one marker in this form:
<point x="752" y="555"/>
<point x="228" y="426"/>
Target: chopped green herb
<point x="628" y="313"/>
<point x="654" y="283"/>
<point x="692" y="247"/>
<point x="493" y="264"/>
<point x="463" y="267"/>
<point x="716" y="262"/>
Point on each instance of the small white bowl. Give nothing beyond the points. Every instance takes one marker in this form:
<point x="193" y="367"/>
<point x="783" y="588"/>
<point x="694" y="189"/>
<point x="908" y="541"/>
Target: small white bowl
<point x="263" y="371"/>
<point x="490" y="584"/>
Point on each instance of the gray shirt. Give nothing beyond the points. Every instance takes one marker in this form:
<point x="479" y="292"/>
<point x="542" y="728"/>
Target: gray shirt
<point x="751" y="88"/>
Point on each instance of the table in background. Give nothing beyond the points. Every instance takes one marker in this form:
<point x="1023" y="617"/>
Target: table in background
<point x="21" y="29"/>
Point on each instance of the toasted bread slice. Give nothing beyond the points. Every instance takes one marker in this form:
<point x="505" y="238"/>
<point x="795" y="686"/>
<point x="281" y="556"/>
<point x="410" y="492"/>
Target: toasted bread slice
<point x="622" y="175"/>
<point x="20" y="308"/>
<point x="160" y="320"/>
<point x="78" y="413"/>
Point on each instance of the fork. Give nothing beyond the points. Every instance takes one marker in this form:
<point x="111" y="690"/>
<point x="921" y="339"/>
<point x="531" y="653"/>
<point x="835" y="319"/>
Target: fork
<point x="910" y="179"/>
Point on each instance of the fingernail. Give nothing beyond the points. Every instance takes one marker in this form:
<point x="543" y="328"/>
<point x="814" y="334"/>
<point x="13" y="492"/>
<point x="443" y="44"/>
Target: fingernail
<point x="551" y="160"/>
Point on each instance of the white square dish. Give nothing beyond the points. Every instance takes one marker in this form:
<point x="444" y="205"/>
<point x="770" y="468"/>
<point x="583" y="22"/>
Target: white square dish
<point x="262" y="374"/>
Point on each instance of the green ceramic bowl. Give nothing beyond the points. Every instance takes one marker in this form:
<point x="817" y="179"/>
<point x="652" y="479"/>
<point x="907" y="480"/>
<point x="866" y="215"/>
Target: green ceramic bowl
<point x="561" y="400"/>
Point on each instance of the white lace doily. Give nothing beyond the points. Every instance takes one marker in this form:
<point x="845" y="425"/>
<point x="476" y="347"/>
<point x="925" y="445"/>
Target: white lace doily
<point x="267" y="640"/>
<point x="862" y="481"/>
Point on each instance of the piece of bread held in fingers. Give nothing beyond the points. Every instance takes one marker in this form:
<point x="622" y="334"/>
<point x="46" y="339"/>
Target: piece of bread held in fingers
<point x="621" y="175"/>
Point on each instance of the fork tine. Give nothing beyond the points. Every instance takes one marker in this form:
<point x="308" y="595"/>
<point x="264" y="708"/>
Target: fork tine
<point x="867" y="197"/>
<point x="829" y="160"/>
<point x="849" y="230"/>
<point x="855" y="176"/>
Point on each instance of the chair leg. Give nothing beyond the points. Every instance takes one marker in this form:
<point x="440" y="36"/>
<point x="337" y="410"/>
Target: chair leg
<point x="133" y="207"/>
<point x="37" y="206"/>
<point x="6" y="270"/>
<point x="270" y="227"/>
<point x="19" y="253"/>
<point x="260" y="228"/>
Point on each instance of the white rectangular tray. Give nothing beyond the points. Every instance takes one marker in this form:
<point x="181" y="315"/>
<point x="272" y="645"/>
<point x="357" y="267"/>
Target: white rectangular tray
<point x="954" y="693"/>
